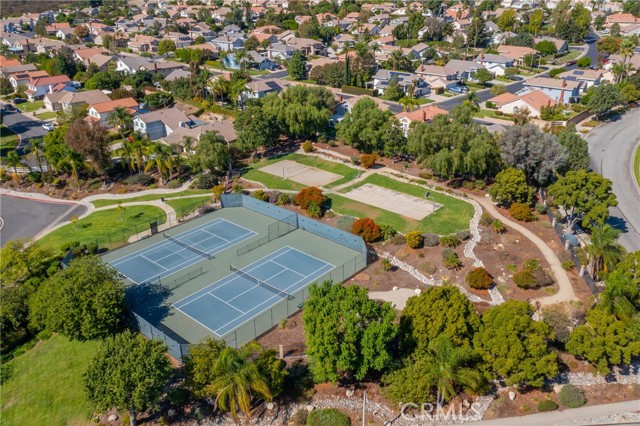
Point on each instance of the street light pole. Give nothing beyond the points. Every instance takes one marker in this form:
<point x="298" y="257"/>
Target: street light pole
<point x="427" y="195"/>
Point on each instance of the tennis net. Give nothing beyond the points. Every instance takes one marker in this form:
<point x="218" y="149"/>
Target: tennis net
<point x="260" y="282"/>
<point x="187" y="246"/>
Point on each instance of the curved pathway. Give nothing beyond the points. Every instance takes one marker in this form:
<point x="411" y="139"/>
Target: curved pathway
<point x="565" y="291"/>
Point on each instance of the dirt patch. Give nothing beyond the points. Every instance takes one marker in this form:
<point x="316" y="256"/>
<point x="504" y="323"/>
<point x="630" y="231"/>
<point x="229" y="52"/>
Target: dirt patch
<point x="300" y="173"/>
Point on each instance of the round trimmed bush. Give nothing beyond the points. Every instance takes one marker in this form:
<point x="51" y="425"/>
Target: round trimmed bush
<point x="479" y="279"/>
<point x="368" y="160"/>
<point x="450" y="241"/>
<point x="525" y="279"/>
<point x="521" y="212"/>
<point x="314" y="211"/>
<point x="328" y="417"/>
<point x="547" y="405"/>
<point x="206" y="181"/>
<point x="310" y="195"/>
<point x="260" y="195"/>
<point x="414" y="239"/>
<point x="431" y="240"/>
<point x="146" y="180"/>
<point x="307" y="147"/>
<point x="283" y="199"/>
<point x="572" y="397"/>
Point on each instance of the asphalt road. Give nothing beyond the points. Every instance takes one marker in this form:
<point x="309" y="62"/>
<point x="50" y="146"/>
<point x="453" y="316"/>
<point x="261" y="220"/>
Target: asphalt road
<point x="24" y="218"/>
<point x="24" y="124"/>
<point x="611" y="150"/>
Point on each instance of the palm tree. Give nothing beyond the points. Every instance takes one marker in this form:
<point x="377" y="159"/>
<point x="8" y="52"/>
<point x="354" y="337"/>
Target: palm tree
<point x="242" y="57"/>
<point x="627" y="47"/>
<point x="219" y="87"/>
<point x="120" y="119"/>
<point x="238" y="380"/>
<point x="36" y="152"/>
<point x="472" y="101"/>
<point x="618" y="71"/>
<point x="604" y="251"/>
<point x="621" y="296"/>
<point x="13" y="161"/>
<point x="449" y="368"/>
<point x="409" y="103"/>
<point x="163" y="158"/>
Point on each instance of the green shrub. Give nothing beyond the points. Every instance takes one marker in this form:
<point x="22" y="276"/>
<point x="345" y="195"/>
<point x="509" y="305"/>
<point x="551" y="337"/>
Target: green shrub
<point x="547" y="405"/>
<point x="44" y="335"/>
<point x="414" y="239"/>
<point x="425" y="175"/>
<point x="572" y="397"/>
<point x="525" y="279"/>
<point x="205" y="181"/>
<point x="367" y="229"/>
<point x="486" y="219"/>
<point x="93" y="248"/>
<point x="300" y="417"/>
<point x="307" y="147"/>
<point x="554" y="72"/>
<point x="328" y="417"/>
<point x="140" y="179"/>
<point x="463" y="235"/>
<point x="345" y="223"/>
<point x="431" y="240"/>
<point x="398" y="240"/>
<point x="540" y="208"/>
<point x="567" y="265"/>
<point x="178" y="397"/>
<point x="428" y="267"/>
<point x="283" y="199"/>
<point x="479" y="279"/>
<point x="498" y="226"/>
<point x="521" y="212"/>
<point x="451" y="259"/>
<point x="355" y="160"/>
<point x="174" y="184"/>
<point x="450" y="241"/>
<point x="34" y="177"/>
<point x="387" y="265"/>
<point x="387" y="232"/>
<point x="260" y="195"/>
<point x="314" y="211"/>
<point x="490" y="105"/>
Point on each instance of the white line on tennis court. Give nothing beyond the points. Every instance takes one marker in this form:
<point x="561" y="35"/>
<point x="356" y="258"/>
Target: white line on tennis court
<point x="225" y="302"/>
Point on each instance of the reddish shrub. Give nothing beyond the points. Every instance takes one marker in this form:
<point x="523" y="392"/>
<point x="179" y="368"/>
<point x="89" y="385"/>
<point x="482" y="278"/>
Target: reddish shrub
<point x="521" y="212"/>
<point x="367" y="229"/>
<point x="308" y="196"/>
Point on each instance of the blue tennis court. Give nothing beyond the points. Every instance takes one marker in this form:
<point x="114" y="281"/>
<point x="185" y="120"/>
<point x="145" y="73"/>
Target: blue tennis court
<point x="171" y="255"/>
<point x="241" y="296"/>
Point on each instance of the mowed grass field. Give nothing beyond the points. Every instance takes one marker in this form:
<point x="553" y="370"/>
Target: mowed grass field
<point x="184" y="206"/>
<point x="149" y="197"/>
<point x="46" y="385"/>
<point x="105" y="227"/>
<point x="454" y="215"/>
<point x="254" y="173"/>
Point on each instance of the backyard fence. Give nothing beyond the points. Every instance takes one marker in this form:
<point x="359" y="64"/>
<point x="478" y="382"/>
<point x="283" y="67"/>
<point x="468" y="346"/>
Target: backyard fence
<point x="177" y="350"/>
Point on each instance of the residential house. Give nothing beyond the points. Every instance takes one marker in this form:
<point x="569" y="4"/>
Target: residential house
<point x="101" y="61"/>
<point x="588" y="77"/>
<point x="344" y="40"/>
<point x="49" y="47"/>
<point x="132" y="64"/>
<point x="181" y="40"/>
<point x="420" y="50"/>
<point x="23" y="77"/>
<point x="101" y="112"/>
<point x="174" y="75"/>
<point x="201" y="30"/>
<point x="561" y="45"/>
<point x="4" y="62"/>
<point x="228" y="43"/>
<point x="143" y="43"/>
<point x="424" y="115"/>
<point x="465" y="70"/>
<point x="252" y="60"/>
<point x="496" y="64"/>
<point x="517" y="53"/>
<point x="39" y="86"/>
<point x="7" y="69"/>
<point x="280" y="51"/>
<point x="307" y="46"/>
<point x="344" y="106"/>
<point x="258" y="89"/>
<point x="67" y="101"/>
<point x="84" y="55"/>
<point x="406" y="80"/>
<point x="509" y="103"/>
<point x="621" y="19"/>
<point x="54" y="27"/>
<point x="224" y="128"/>
<point x="162" y="123"/>
<point x="561" y="91"/>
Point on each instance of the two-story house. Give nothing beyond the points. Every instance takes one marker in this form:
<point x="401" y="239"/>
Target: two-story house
<point x="39" y="86"/>
<point x="252" y="60"/>
<point x="68" y="101"/>
<point x="424" y="115"/>
<point x="101" y="112"/>
<point x="406" y="80"/>
<point x="228" y="43"/>
<point x="161" y="123"/>
<point x="495" y="64"/>
<point x="588" y="77"/>
<point x="561" y="91"/>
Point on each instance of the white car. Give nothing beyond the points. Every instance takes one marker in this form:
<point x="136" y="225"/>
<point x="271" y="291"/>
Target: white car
<point x="48" y="126"/>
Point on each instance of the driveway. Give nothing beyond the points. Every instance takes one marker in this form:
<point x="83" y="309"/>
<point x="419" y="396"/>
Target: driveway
<point x="611" y="150"/>
<point x="25" y="218"/>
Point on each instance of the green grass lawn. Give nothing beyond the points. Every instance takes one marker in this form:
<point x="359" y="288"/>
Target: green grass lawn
<point x="184" y="206"/>
<point x="46" y="385"/>
<point x="105" y="227"/>
<point x="8" y="140"/>
<point x="30" y="106"/>
<point x="274" y="182"/>
<point x="423" y="101"/>
<point x="454" y="215"/>
<point x="46" y="115"/>
<point x="483" y="113"/>
<point x="475" y="86"/>
<point x="407" y="43"/>
<point x="636" y="165"/>
<point x="150" y="197"/>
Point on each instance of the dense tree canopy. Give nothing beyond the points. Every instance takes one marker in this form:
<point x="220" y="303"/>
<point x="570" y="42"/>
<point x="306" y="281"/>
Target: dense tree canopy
<point x="297" y="66"/>
<point x="577" y="150"/>
<point x="536" y="153"/>
<point x="83" y="301"/>
<point x="348" y="334"/>
<point x="511" y="187"/>
<point x="454" y="147"/>
<point x="438" y="311"/>
<point x="514" y="346"/>
<point x="255" y="128"/>
<point x="585" y="196"/>
<point x="129" y="372"/>
<point x="92" y="142"/>
<point x="603" y="98"/>
<point x="211" y="154"/>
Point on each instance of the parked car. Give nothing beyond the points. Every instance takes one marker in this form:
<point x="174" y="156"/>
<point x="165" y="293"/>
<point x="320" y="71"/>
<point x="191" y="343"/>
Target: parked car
<point x="17" y="101"/>
<point x="457" y="89"/>
<point x="9" y="107"/>
<point x="48" y="126"/>
<point x="572" y="62"/>
<point x="515" y="78"/>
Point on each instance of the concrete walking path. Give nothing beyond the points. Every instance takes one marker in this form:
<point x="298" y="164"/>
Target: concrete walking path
<point x="565" y="291"/>
<point x="627" y="412"/>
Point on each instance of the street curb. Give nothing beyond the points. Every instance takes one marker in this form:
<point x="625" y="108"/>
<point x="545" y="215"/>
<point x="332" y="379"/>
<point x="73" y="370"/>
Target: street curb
<point x="633" y="163"/>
